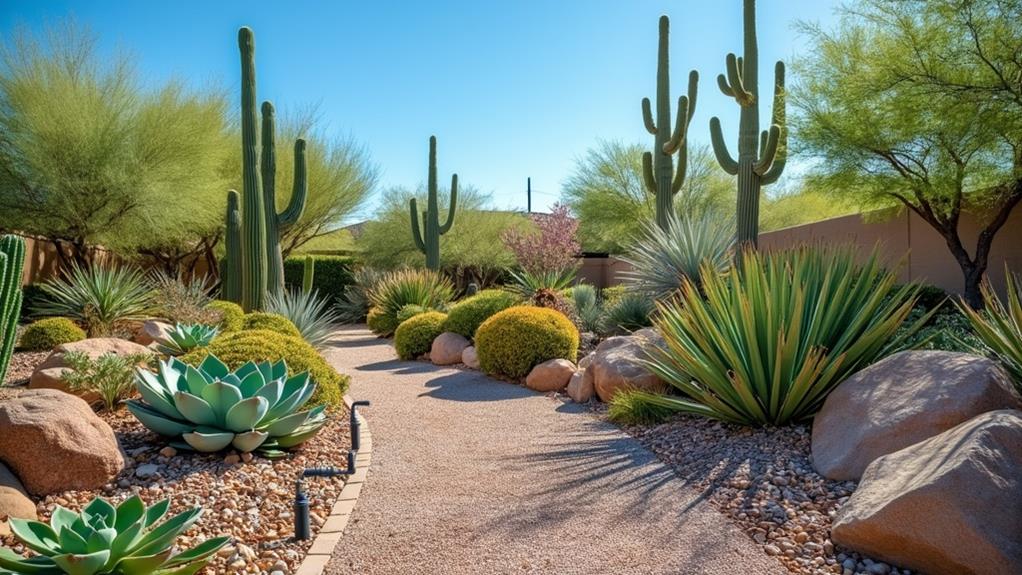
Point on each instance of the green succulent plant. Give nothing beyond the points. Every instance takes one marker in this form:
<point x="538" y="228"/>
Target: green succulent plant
<point x="186" y="337"/>
<point x="209" y="407"/>
<point x="129" y="539"/>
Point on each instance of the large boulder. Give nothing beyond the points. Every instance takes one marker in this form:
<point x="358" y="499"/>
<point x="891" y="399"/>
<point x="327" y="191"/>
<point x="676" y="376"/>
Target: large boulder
<point x="946" y="505"/>
<point x="54" y="442"/>
<point x="447" y="348"/>
<point x="152" y="331"/>
<point x="14" y="501"/>
<point x="470" y="358"/>
<point x="551" y="375"/>
<point x="50" y="373"/>
<point x="617" y="364"/>
<point x="901" y="400"/>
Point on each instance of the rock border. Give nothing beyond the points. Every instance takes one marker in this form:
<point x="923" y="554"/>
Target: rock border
<point x="329" y="535"/>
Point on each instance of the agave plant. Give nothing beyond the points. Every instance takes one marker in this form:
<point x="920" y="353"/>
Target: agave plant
<point x="999" y="326"/>
<point x="399" y="288"/>
<point x="310" y="313"/>
<point x="210" y="407"/>
<point x="129" y="539"/>
<point x="186" y="337"/>
<point x="526" y="284"/>
<point x="97" y="297"/>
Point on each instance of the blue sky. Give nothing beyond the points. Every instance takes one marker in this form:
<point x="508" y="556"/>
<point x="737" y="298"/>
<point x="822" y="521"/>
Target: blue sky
<point x="510" y="89"/>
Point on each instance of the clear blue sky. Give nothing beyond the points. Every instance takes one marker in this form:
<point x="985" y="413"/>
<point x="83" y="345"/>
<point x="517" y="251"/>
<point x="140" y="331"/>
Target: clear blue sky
<point x="510" y="89"/>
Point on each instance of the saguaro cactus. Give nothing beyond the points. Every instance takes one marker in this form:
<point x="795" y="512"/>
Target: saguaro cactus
<point x="277" y="224"/>
<point x="12" y="261"/>
<point x="761" y="155"/>
<point x="429" y="242"/>
<point x="658" y="172"/>
<point x="308" y="273"/>
<point x="231" y="280"/>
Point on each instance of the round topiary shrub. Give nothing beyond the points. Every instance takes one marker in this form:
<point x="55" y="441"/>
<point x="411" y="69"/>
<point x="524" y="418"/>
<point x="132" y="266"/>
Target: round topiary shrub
<point x="232" y="316"/>
<point x="467" y="315"/>
<point x="270" y="321"/>
<point x="381" y="323"/>
<point x="48" y="333"/>
<point x="257" y="345"/>
<point x="415" y="336"/>
<point x="515" y="340"/>
<point x="409" y="311"/>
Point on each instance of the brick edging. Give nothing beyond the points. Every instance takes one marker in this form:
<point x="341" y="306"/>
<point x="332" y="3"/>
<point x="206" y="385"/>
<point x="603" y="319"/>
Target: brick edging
<point x="329" y="535"/>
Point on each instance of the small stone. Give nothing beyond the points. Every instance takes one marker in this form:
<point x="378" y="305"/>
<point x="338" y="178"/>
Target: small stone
<point x="232" y="459"/>
<point x="168" y="451"/>
<point x="247" y="457"/>
<point x="772" y="550"/>
<point x="147" y="470"/>
<point x="879" y="569"/>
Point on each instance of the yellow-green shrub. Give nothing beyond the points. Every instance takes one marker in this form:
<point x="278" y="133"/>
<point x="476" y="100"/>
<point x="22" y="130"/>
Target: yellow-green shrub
<point x="270" y="321"/>
<point x="515" y="340"/>
<point x="415" y="336"/>
<point x="48" y="333"/>
<point x="232" y="317"/>
<point x="236" y="348"/>
<point x="381" y="323"/>
<point x="467" y="315"/>
<point x="409" y="311"/>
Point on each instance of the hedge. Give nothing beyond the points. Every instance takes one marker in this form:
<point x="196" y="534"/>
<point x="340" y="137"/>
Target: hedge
<point x="332" y="274"/>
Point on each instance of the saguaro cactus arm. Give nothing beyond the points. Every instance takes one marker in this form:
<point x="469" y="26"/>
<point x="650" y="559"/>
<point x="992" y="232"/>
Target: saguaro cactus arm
<point x="453" y="204"/>
<point x="647" y="116"/>
<point x="416" y="231"/>
<point x="231" y="281"/>
<point x="647" y="172"/>
<point x="686" y="109"/>
<point x="299" y="191"/>
<point x="724" y="158"/>
<point x="779" y="156"/>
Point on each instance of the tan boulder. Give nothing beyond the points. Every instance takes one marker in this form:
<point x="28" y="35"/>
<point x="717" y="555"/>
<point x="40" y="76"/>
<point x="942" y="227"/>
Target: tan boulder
<point x="947" y="505"/>
<point x="551" y="375"/>
<point x="580" y="387"/>
<point x="152" y="331"/>
<point x="447" y="348"/>
<point x="48" y="374"/>
<point x="470" y="358"/>
<point x="14" y="500"/>
<point x="54" y="442"/>
<point x="901" y="400"/>
<point x="616" y="364"/>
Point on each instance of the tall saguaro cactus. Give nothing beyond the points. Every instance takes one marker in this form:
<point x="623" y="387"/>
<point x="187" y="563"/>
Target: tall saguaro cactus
<point x="761" y="155"/>
<point x="262" y="266"/>
<point x="658" y="172"/>
<point x="12" y="261"/>
<point x="429" y="242"/>
<point x="231" y="284"/>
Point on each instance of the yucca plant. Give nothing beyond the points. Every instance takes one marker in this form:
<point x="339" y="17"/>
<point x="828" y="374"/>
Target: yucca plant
<point x="630" y="312"/>
<point x="127" y="539"/>
<point x="662" y="259"/>
<point x="255" y="407"/>
<point x="526" y="284"/>
<point x="999" y="326"/>
<point x="399" y="288"/>
<point x="183" y="338"/>
<point x="97" y="297"/>
<point x="776" y="333"/>
<point x="310" y="313"/>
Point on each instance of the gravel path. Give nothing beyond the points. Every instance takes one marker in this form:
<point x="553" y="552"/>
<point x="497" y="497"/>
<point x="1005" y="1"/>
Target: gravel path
<point x="471" y="475"/>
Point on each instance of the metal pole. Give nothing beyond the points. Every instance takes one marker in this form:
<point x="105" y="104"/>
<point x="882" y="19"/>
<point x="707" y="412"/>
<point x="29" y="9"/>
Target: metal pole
<point x="528" y="193"/>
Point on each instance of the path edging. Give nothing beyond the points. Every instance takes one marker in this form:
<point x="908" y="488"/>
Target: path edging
<point x="329" y="535"/>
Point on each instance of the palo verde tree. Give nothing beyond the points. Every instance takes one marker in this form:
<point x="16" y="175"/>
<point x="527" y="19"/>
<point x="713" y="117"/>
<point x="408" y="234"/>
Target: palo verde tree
<point x="918" y="103"/>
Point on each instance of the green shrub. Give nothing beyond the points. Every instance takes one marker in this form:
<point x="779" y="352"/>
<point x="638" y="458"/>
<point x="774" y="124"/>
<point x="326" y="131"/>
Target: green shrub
<point x="612" y="294"/>
<point x="46" y="334"/>
<point x="232" y="316"/>
<point x="397" y="289"/>
<point x="775" y="334"/>
<point x="380" y="323"/>
<point x="185" y="302"/>
<point x="587" y="307"/>
<point x="333" y="275"/>
<point x="637" y="407"/>
<point x="271" y="321"/>
<point x="409" y="311"/>
<point x="467" y="315"/>
<point x="513" y="341"/>
<point x="110" y="376"/>
<point x="234" y="349"/>
<point x="1000" y="325"/>
<point x="98" y="298"/>
<point x="630" y="312"/>
<point x="415" y="336"/>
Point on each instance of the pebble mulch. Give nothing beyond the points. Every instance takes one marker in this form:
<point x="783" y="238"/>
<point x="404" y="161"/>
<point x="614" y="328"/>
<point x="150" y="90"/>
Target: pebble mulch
<point x="21" y="366"/>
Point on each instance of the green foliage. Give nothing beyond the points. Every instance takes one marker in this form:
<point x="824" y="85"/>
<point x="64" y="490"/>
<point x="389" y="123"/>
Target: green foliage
<point x="946" y="329"/>
<point x="211" y="407"/>
<point x="110" y="376"/>
<point x="427" y="236"/>
<point x="588" y="308"/>
<point x="271" y="321"/>
<point x="662" y="259"/>
<point x="353" y="306"/>
<point x="46" y="334"/>
<point x="98" y="298"/>
<point x="637" y="407"/>
<point x="333" y="275"/>
<point x="260" y="345"/>
<point x="999" y="327"/>
<point x="409" y="311"/>
<point x="311" y="314"/>
<point x="526" y="283"/>
<point x="31" y="295"/>
<point x="103" y="538"/>
<point x="231" y="316"/>
<point x="612" y="294"/>
<point x="775" y="334"/>
<point x="382" y="323"/>
<point x="183" y="338"/>
<point x="400" y="288"/>
<point x="630" y="312"/>
<point x="12" y="258"/>
<point x="512" y="342"/>
<point x="415" y="336"/>
<point x="183" y="301"/>
<point x="308" y="273"/>
<point x="467" y="315"/>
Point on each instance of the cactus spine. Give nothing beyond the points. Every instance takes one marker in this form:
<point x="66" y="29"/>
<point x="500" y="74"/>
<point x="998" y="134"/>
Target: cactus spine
<point x="231" y="281"/>
<point x="658" y="172"/>
<point x="12" y="262"/>
<point x="429" y="242"/>
<point x="761" y="155"/>
<point x="308" y="272"/>
<point x="262" y="266"/>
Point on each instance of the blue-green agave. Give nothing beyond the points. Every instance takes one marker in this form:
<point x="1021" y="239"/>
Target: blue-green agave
<point x="186" y="337"/>
<point x="129" y="539"/>
<point x="210" y="407"/>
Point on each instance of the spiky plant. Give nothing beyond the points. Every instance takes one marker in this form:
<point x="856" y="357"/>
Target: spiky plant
<point x="402" y="287"/>
<point x="98" y="297"/>
<point x="526" y="284"/>
<point x="310" y="313"/>
<point x="354" y="304"/>
<point x="628" y="313"/>
<point x="183" y="338"/>
<point x="999" y="325"/>
<point x="12" y="258"/>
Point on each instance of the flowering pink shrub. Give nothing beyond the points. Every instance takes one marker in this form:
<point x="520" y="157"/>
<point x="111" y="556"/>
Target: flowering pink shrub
<point x="551" y="248"/>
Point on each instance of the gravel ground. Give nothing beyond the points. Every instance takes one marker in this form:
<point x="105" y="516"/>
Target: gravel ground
<point x="470" y="475"/>
<point x="764" y="480"/>
<point x="22" y="365"/>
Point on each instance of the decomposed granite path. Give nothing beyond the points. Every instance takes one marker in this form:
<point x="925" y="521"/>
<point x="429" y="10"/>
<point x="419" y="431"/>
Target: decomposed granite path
<point x="471" y="475"/>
